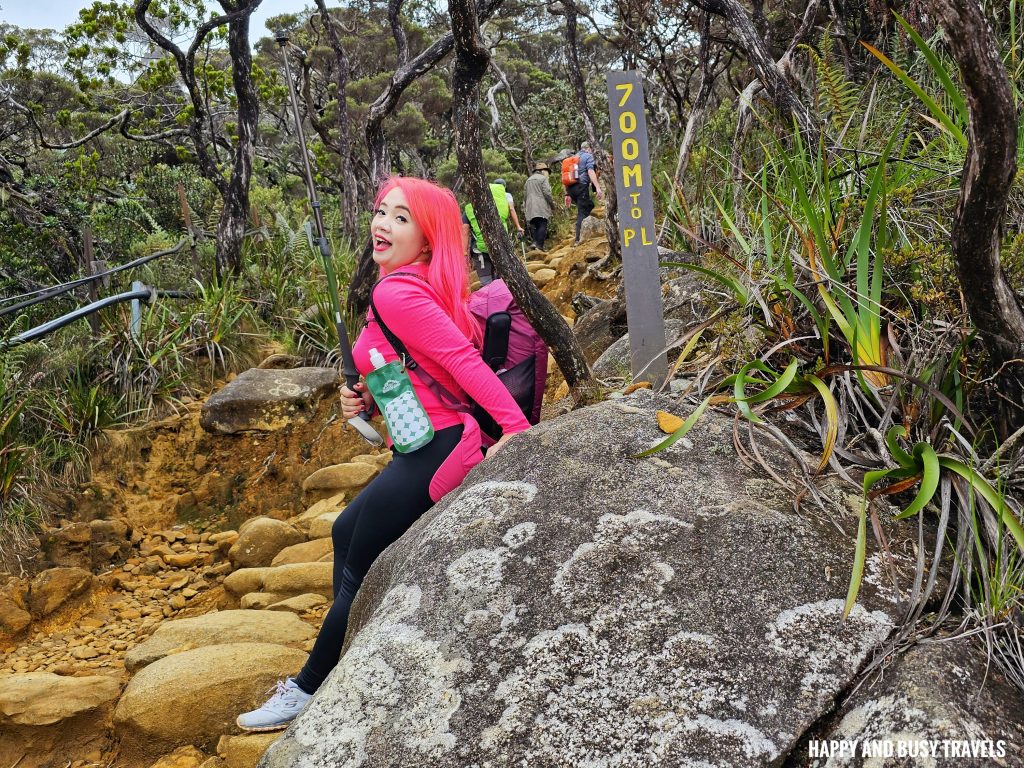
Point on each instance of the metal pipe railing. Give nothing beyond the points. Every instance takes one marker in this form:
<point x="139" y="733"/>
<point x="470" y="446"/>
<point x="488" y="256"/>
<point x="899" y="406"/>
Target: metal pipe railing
<point x="58" y="290"/>
<point x="139" y="294"/>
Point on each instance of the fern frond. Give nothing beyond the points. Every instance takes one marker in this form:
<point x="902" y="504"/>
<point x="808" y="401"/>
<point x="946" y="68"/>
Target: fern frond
<point x="289" y="233"/>
<point x="835" y="95"/>
<point x="213" y="216"/>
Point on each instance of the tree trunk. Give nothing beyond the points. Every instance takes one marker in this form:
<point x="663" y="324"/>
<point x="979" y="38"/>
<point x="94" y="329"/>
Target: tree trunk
<point x="517" y="118"/>
<point x="186" y="64"/>
<point x="406" y="73"/>
<point x="985" y="184"/>
<point x="768" y="72"/>
<point x="700" y="105"/>
<point x="470" y="65"/>
<point x="235" y="189"/>
<point x="492" y="105"/>
<point x="745" y="111"/>
<point x="231" y="227"/>
<point x="342" y="69"/>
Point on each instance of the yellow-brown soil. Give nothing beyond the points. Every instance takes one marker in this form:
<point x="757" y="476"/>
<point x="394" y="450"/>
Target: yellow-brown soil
<point x="173" y="471"/>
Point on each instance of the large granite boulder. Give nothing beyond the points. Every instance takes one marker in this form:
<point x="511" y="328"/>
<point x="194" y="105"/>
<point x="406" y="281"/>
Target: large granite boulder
<point x="284" y="580"/>
<point x="111" y="542"/>
<point x="14" y="610"/>
<point x="218" y="628"/>
<point x="939" y="704"/>
<point x="69" y="546"/>
<point x="572" y="605"/>
<point x="592" y="227"/>
<point x="193" y="697"/>
<point x="244" y="751"/>
<point x="682" y="297"/>
<point x="306" y="552"/>
<point x="47" y="719"/>
<point x="302" y="521"/>
<point x="90" y="545"/>
<point x="267" y="400"/>
<point x="260" y="540"/>
<point x="341" y="477"/>
<point x="599" y="326"/>
<point x="55" y="586"/>
<point x="615" y="362"/>
<point x="183" y="757"/>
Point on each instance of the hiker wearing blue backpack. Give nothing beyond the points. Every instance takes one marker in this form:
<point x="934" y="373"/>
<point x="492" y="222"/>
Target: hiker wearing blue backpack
<point x="422" y="315"/>
<point x="579" y="174"/>
<point x="474" y="246"/>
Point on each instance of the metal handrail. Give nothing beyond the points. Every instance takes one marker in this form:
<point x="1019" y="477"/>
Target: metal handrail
<point x="58" y="290"/>
<point x="139" y="294"/>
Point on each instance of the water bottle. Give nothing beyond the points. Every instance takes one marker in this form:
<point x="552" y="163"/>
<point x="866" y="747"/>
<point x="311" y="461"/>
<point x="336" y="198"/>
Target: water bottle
<point x="407" y="421"/>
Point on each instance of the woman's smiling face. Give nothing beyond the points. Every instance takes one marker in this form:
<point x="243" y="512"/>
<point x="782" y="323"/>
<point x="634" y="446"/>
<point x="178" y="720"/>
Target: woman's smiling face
<point x="397" y="238"/>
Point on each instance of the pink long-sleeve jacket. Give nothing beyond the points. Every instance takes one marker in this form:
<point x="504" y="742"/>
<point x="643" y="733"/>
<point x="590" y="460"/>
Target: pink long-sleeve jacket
<point x="411" y="311"/>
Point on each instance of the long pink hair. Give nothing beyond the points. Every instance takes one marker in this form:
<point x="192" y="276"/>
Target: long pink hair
<point x="436" y="211"/>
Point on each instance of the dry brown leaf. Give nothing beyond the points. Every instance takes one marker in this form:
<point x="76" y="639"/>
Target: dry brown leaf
<point x="668" y="423"/>
<point x="636" y="386"/>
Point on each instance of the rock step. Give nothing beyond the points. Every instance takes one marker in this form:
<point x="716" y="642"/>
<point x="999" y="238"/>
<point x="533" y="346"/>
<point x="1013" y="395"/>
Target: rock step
<point x="193" y="697"/>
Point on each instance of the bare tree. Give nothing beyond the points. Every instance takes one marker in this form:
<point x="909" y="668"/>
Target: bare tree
<point x="471" y="57"/>
<point x="745" y="112"/>
<point x="524" y="135"/>
<point x="769" y="73"/>
<point x="204" y="135"/>
<point x="407" y="71"/>
<point x="985" y="183"/>
<point x="700" y="105"/>
<point x="340" y="141"/>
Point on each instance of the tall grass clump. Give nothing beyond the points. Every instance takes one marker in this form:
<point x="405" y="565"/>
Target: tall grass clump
<point x="834" y="257"/>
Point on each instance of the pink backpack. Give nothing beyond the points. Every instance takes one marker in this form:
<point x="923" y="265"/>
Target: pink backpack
<point x="512" y="349"/>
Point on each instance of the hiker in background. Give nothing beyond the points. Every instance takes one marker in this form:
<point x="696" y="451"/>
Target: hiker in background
<point x="513" y="216"/>
<point x="539" y="204"/>
<point x="473" y="244"/>
<point x="578" y="182"/>
<point x="422" y="299"/>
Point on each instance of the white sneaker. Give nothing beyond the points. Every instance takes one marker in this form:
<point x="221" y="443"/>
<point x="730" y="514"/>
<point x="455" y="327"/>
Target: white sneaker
<point x="279" y="710"/>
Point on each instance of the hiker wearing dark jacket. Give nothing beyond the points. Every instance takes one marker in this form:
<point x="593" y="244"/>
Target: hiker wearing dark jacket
<point x="579" y="193"/>
<point x="539" y="204"/>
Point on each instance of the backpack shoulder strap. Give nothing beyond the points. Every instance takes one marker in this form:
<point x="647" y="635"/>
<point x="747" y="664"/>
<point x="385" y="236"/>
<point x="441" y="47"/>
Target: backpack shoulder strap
<point x="447" y="399"/>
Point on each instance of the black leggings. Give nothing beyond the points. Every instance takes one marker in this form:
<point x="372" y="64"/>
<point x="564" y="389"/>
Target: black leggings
<point x="580" y="194"/>
<point x="379" y="515"/>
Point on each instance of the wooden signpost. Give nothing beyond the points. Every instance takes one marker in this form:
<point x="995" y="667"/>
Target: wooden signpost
<point x="633" y="185"/>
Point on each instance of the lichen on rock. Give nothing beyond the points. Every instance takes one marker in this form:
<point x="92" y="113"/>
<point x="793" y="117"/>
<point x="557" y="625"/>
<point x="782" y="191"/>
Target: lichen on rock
<point x="570" y="605"/>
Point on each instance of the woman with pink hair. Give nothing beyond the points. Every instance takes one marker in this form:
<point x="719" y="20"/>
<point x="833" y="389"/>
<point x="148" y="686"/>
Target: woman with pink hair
<point x="417" y="242"/>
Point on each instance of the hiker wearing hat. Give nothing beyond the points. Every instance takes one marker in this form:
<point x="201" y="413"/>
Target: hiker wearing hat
<point x="579" y="192"/>
<point x="473" y="244"/>
<point x="539" y="204"/>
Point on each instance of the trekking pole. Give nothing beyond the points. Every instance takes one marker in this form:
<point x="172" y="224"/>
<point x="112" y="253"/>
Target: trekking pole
<point x="361" y="422"/>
